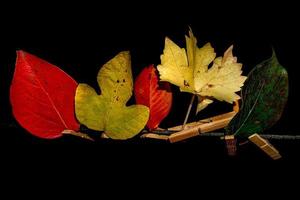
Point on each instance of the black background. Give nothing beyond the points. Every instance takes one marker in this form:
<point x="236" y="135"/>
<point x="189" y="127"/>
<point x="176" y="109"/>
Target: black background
<point x="81" y="38"/>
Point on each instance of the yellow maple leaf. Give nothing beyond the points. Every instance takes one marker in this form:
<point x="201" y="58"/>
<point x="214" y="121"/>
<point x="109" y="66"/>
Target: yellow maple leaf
<point x="189" y="70"/>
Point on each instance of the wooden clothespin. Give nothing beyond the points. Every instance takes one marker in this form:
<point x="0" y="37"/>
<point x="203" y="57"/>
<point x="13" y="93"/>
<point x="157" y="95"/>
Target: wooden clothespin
<point x="195" y="128"/>
<point x="230" y="144"/>
<point x="265" y="145"/>
<point x="214" y="123"/>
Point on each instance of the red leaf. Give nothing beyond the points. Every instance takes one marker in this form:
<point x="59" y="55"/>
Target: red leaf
<point x="156" y="95"/>
<point x="42" y="97"/>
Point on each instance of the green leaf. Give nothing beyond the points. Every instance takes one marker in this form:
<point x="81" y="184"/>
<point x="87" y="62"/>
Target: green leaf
<point x="264" y="96"/>
<point x="108" y="112"/>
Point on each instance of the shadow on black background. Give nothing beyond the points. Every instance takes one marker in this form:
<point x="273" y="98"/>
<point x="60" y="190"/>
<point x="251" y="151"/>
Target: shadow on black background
<point x="80" y="39"/>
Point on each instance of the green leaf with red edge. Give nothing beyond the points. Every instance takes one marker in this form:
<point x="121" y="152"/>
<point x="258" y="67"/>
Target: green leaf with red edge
<point x="153" y="94"/>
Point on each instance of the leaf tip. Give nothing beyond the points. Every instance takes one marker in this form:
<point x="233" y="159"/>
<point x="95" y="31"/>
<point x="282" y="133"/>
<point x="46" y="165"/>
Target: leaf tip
<point x="20" y="53"/>
<point x="151" y="66"/>
<point x="230" y="49"/>
<point x="167" y="39"/>
<point x="125" y="53"/>
<point x="274" y="56"/>
<point x="191" y="34"/>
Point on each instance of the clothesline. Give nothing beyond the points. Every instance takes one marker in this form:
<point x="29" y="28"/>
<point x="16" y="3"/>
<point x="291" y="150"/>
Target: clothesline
<point x="220" y="134"/>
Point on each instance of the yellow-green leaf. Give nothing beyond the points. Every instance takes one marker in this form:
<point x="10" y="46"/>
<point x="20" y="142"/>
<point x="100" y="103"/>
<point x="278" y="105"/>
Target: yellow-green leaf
<point x="108" y="111"/>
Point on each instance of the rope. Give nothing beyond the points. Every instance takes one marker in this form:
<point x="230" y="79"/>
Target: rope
<point x="210" y="134"/>
<point x="266" y="136"/>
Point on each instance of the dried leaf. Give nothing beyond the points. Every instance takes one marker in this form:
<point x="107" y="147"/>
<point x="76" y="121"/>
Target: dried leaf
<point x="190" y="71"/>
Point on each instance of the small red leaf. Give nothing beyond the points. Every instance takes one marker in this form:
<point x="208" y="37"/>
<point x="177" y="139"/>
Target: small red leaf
<point x="42" y="97"/>
<point x="156" y="95"/>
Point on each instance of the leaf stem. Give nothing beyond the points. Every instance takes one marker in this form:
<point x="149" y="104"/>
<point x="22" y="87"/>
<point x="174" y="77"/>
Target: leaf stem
<point x="188" y="111"/>
<point x="78" y="134"/>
